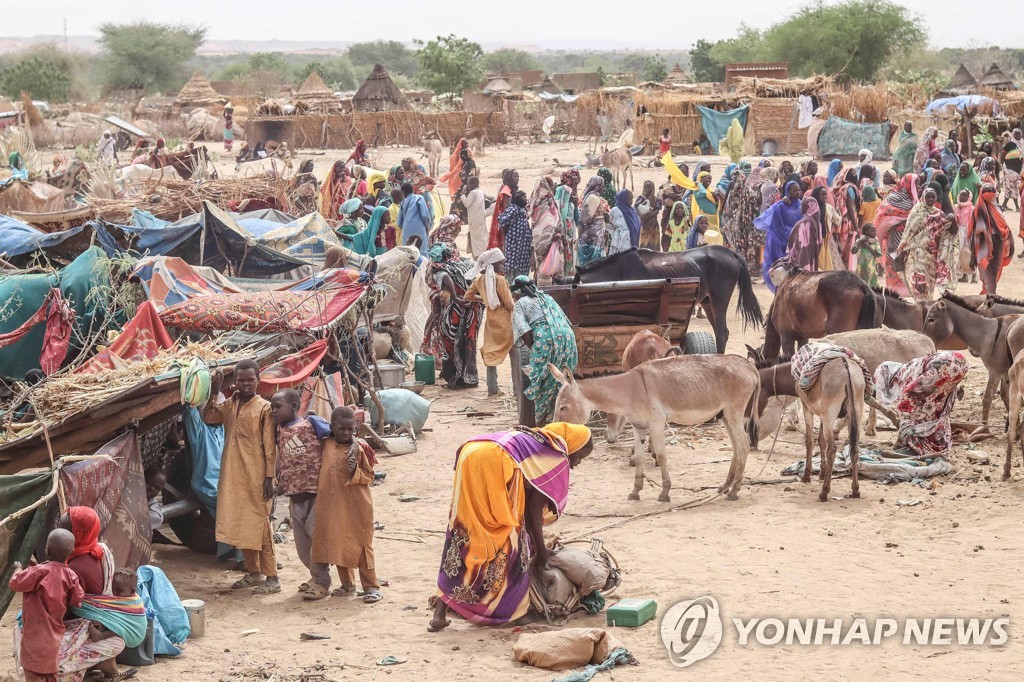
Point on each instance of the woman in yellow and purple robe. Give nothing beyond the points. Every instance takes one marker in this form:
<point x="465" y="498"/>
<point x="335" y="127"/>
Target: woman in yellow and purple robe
<point x="505" y="483"/>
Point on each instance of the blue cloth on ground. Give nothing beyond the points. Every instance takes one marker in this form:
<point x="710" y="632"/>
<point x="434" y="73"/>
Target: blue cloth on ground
<point x="170" y="626"/>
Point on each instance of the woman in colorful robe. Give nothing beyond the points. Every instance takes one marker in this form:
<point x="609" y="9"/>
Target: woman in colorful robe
<point x="990" y="240"/>
<point x="505" y="485"/>
<point x="452" y="329"/>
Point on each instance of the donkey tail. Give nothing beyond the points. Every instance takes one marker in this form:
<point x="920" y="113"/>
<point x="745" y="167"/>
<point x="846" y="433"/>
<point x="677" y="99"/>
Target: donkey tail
<point x="866" y="319"/>
<point x="752" y="404"/>
<point x="851" y="415"/>
<point x="747" y="304"/>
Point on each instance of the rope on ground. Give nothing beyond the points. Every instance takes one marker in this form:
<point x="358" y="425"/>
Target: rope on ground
<point x="686" y="505"/>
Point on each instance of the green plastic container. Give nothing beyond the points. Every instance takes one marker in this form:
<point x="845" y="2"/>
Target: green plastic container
<point x="631" y="613"/>
<point x="423" y="368"/>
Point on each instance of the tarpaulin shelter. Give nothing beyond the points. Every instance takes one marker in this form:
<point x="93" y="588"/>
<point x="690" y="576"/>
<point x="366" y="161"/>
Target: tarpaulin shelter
<point x="168" y="281"/>
<point x="18" y="538"/>
<point x="840" y="137"/>
<point x="963" y="102"/>
<point x="83" y="284"/>
<point x="716" y="123"/>
<point x="292" y="370"/>
<point x="212" y="237"/>
<point x="18" y="238"/>
<point x="264" y="312"/>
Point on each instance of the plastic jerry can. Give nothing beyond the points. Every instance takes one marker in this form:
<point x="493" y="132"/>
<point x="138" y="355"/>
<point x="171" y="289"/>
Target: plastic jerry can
<point x="423" y="368"/>
<point x="631" y="613"/>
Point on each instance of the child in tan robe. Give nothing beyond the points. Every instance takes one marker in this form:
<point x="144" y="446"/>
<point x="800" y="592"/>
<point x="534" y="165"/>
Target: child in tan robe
<point x="343" y="528"/>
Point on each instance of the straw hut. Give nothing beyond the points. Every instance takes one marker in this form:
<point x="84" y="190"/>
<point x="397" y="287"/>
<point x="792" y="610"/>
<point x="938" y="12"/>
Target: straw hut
<point x="497" y="85"/>
<point x="197" y="93"/>
<point x="379" y="93"/>
<point x="995" y="78"/>
<point x="316" y="96"/>
<point x="962" y="79"/>
<point x="677" y="77"/>
<point x="547" y="86"/>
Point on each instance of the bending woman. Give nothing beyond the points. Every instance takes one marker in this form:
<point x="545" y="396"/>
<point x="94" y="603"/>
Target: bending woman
<point x="505" y="483"/>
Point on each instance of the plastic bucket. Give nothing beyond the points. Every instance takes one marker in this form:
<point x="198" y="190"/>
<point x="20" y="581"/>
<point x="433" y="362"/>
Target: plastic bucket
<point x="195" y="609"/>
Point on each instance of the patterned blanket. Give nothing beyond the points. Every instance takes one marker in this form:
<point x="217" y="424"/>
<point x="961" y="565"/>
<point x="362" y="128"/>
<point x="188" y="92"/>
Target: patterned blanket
<point x="809" y="360"/>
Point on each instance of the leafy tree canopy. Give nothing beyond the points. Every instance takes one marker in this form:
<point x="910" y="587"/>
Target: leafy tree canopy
<point x="391" y="54"/>
<point x="148" y="56"/>
<point x="507" y="60"/>
<point x="449" y="64"/>
<point x="44" y="75"/>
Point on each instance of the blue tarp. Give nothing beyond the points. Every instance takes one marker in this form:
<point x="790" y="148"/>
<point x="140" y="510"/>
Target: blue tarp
<point x="716" y="123"/>
<point x="962" y="102"/>
<point x="206" y="444"/>
<point x="212" y="231"/>
<point x="840" y="137"/>
<point x="17" y="238"/>
<point x="170" y="627"/>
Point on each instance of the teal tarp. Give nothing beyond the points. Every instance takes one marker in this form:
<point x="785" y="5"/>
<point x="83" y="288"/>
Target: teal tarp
<point x="840" y="137"/>
<point x="83" y="283"/>
<point x="716" y="123"/>
<point x="19" y="537"/>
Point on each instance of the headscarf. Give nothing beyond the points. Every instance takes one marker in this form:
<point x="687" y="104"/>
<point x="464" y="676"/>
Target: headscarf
<point x="940" y="183"/>
<point x="993" y="219"/>
<point x="868" y="192"/>
<point x="868" y="156"/>
<point x="439" y="253"/>
<point x="972" y="183"/>
<point x="834" y="167"/>
<point x="564" y="437"/>
<point x="447" y="230"/>
<point x="420" y="181"/>
<point x="630" y="215"/>
<point x="924" y="148"/>
<point x="732" y="144"/>
<point x="372" y="178"/>
<point x="608" y="193"/>
<point x="85" y="526"/>
<point x="726" y="181"/>
<point x="454" y="175"/>
<point x="364" y="242"/>
<point x="693" y="236"/>
<point x="594" y="185"/>
<point x="804" y="245"/>
<point x="350" y="206"/>
<point x="949" y="159"/>
<point x="485" y="263"/>
<point x="571" y="179"/>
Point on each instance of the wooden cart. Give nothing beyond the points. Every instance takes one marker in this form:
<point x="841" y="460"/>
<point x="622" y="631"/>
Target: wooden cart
<point x="606" y="316"/>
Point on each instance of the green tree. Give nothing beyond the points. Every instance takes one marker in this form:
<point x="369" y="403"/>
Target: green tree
<point x="706" y="69"/>
<point x="391" y="54"/>
<point x="507" y="60"/>
<point x="449" y="64"/>
<point x="646" y="66"/>
<point x="148" y="56"/>
<point x="337" y="73"/>
<point x="42" y="77"/>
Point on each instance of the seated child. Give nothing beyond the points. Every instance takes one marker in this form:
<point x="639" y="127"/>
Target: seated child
<point x="49" y="589"/>
<point x="344" y="493"/>
<point x="121" y="613"/>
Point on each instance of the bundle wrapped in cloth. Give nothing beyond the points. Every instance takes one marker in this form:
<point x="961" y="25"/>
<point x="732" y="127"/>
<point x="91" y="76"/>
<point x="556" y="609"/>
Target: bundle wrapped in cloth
<point x="124" y="616"/>
<point x="574" y="578"/>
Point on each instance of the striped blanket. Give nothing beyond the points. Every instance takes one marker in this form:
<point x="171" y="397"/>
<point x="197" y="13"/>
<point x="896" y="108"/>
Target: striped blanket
<point x="809" y="360"/>
<point x="124" y="616"/>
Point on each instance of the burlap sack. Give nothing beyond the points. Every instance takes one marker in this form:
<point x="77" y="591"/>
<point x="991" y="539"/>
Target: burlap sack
<point x="585" y="570"/>
<point x="564" y="649"/>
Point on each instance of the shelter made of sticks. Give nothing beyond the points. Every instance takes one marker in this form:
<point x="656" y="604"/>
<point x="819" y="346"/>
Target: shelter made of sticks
<point x="316" y="96"/>
<point x="379" y="93"/>
<point x="197" y="93"/>
<point x="962" y="79"/>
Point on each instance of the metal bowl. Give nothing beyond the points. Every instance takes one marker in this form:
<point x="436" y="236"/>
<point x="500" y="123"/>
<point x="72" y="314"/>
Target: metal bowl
<point x="414" y="386"/>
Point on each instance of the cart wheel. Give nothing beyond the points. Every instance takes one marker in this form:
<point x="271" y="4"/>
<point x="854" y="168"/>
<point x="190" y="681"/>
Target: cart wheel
<point x="699" y="343"/>
<point x="197" y="530"/>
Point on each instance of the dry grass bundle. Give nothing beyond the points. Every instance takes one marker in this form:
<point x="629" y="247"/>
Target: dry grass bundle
<point x="174" y="199"/>
<point x="19" y="139"/>
<point x="865" y="103"/>
<point x="65" y="395"/>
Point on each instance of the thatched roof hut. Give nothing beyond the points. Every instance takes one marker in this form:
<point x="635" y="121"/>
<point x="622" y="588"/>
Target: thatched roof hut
<point x="677" y="76"/>
<point x="962" y="78"/>
<point x="995" y="78"/>
<point x="316" y="96"/>
<point x="547" y="86"/>
<point x="378" y="93"/>
<point x="197" y="93"/>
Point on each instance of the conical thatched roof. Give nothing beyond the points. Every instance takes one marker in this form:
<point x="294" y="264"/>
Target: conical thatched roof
<point x="962" y="78"/>
<point x="197" y="93"/>
<point x="995" y="78"/>
<point x="315" y="94"/>
<point x="378" y="93"/>
<point x="548" y="85"/>
<point x="677" y="76"/>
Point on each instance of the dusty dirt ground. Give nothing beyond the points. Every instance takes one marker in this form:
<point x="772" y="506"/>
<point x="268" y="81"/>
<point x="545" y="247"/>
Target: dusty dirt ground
<point x="776" y="552"/>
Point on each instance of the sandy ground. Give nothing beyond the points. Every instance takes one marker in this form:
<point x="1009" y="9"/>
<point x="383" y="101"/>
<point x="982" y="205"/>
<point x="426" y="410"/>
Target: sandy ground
<point x="777" y="552"/>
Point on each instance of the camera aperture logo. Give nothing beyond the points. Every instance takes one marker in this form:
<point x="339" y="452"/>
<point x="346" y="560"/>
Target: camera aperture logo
<point x="691" y="630"/>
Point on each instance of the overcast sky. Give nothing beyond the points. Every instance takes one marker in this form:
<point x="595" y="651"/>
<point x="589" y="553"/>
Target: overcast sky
<point x="547" y="23"/>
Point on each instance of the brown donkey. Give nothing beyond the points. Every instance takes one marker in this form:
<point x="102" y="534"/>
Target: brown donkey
<point x="644" y="346"/>
<point x="686" y="390"/>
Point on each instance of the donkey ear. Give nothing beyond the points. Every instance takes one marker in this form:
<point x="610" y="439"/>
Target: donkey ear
<point x="568" y="375"/>
<point x="940" y="304"/>
<point x="557" y="374"/>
